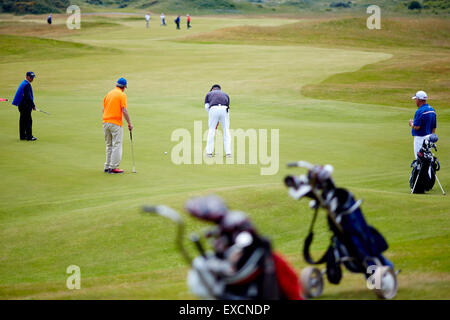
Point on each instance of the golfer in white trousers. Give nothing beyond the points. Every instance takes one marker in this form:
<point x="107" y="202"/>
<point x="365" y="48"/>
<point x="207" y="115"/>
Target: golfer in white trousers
<point x="424" y="122"/>
<point x="217" y="104"/>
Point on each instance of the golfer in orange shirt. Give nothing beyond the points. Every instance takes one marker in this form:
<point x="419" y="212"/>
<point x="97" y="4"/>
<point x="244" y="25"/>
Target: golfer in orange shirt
<point x="114" y="107"/>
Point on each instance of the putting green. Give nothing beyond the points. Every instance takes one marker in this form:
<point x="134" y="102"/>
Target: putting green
<point x="58" y="208"/>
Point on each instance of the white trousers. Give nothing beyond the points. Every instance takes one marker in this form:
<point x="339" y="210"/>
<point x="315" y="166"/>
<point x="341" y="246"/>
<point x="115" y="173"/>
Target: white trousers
<point x="218" y="114"/>
<point x="113" y="140"/>
<point x="418" y="141"/>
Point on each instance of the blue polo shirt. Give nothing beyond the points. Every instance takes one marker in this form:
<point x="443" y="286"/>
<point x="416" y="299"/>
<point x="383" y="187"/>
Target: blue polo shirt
<point x="425" y="117"/>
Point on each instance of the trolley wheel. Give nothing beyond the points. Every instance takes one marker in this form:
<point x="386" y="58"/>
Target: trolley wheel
<point x="312" y="282"/>
<point x="389" y="284"/>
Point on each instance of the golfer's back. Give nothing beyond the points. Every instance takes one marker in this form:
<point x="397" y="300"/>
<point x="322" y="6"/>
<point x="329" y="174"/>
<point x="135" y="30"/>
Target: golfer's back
<point x="113" y="103"/>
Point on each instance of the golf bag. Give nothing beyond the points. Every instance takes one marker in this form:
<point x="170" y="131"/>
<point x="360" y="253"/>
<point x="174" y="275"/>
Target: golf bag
<point x="424" y="168"/>
<point x="242" y="265"/>
<point x="354" y="243"/>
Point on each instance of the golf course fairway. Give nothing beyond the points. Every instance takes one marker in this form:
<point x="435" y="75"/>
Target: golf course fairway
<point x="58" y="208"/>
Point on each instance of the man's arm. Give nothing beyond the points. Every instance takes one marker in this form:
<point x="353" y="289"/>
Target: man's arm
<point x="127" y="117"/>
<point x="207" y="103"/>
<point x="28" y="96"/>
<point x="434" y="124"/>
<point x="415" y="124"/>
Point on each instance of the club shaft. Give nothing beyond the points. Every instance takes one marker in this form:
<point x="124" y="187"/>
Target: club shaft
<point x="132" y="151"/>
<point x="443" y="192"/>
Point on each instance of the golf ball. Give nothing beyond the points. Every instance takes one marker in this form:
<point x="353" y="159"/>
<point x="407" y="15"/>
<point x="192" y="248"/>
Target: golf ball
<point x="165" y="152"/>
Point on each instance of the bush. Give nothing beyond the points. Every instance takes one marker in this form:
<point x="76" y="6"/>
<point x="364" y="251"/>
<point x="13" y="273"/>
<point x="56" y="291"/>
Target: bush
<point x="34" y="6"/>
<point x="341" y="4"/>
<point x="415" y="5"/>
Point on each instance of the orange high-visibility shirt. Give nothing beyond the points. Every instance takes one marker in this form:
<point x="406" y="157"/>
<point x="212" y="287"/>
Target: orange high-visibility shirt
<point x="113" y="103"/>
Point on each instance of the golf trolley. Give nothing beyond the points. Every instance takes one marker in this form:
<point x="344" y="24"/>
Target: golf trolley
<point x="424" y="168"/>
<point x="242" y="265"/>
<point x="354" y="243"/>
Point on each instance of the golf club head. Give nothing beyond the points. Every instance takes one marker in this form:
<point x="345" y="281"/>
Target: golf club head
<point x="301" y="164"/>
<point x="209" y="208"/>
<point x="433" y="138"/>
<point x="164" y="211"/>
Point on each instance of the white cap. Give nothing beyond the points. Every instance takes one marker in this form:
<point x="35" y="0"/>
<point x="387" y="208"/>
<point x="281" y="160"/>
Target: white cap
<point x="421" y="95"/>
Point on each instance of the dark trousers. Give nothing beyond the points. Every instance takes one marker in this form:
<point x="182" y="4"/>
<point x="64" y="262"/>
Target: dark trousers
<point x="178" y="25"/>
<point x="25" y="123"/>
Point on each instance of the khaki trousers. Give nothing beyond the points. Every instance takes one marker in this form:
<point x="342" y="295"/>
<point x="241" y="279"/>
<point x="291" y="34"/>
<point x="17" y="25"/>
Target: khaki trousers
<point x="113" y="139"/>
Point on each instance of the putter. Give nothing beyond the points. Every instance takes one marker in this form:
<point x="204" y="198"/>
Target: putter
<point x="42" y="111"/>
<point x="132" y="152"/>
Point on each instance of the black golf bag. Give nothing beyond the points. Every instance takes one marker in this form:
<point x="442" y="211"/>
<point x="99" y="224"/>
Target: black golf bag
<point x="354" y="243"/>
<point x="424" y="168"/>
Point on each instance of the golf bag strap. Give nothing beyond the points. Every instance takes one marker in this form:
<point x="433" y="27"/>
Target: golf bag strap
<point x="350" y="210"/>
<point x="307" y="255"/>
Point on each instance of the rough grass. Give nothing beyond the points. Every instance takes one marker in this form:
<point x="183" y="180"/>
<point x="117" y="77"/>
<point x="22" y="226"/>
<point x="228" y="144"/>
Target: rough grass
<point x="19" y="48"/>
<point x="420" y="49"/>
<point x="39" y="29"/>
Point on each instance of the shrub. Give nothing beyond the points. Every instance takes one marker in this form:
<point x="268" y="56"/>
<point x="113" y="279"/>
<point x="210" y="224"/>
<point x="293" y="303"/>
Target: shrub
<point x="415" y="5"/>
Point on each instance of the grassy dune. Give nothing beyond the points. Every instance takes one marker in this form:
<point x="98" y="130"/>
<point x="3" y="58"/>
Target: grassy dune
<point x="58" y="208"/>
<point x="420" y="49"/>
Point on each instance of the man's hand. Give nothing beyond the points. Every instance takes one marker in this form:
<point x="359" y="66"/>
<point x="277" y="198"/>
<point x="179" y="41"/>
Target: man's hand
<point x="34" y="108"/>
<point x="411" y="122"/>
<point x="130" y="127"/>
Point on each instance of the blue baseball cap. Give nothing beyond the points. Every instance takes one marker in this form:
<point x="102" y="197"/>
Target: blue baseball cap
<point x="31" y="74"/>
<point x="122" y="82"/>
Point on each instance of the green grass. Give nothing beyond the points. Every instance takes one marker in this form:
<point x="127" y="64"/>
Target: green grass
<point x="422" y="62"/>
<point x="58" y="208"/>
<point x="16" y="48"/>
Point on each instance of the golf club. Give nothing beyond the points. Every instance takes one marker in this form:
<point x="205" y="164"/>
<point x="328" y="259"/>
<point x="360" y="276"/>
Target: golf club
<point x="3" y="100"/>
<point x="42" y="111"/>
<point x="132" y="152"/>
<point x="171" y="214"/>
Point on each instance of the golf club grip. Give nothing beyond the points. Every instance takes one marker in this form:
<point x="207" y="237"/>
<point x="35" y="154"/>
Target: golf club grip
<point x="196" y="240"/>
<point x="151" y="209"/>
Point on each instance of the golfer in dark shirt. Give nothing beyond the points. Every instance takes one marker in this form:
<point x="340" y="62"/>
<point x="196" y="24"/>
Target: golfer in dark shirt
<point x="24" y="101"/>
<point x="217" y="103"/>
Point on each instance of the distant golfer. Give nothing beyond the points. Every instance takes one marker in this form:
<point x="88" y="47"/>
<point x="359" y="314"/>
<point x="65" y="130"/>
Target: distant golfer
<point x="424" y="122"/>
<point x="177" y="22"/>
<point x="24" y="100"/>
<point x="114" y="107"/>
<point x="147" y="20"/>
<point x="163" y="19"/>
<point x="188" y="21"/>
<point x="49" y="19"/>
<point x="217" y="104"/>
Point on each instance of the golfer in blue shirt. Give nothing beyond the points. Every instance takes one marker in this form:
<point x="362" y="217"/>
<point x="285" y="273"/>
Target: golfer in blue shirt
<point x="24" y="101"/>
<point x="424" y="122"/>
